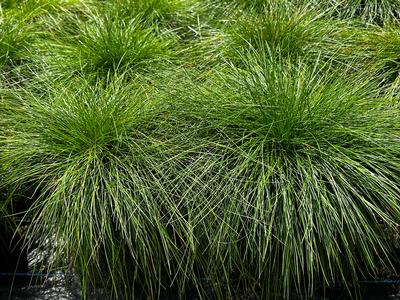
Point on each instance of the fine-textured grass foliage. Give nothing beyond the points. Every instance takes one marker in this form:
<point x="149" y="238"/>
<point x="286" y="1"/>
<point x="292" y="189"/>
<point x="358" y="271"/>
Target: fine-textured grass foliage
<point x="34" y="8"/>
<point x="3" y="212"/>
<point x="22" y="24"/>
<point x="15" y="38"/>
<point x="254" y="6"/>
<point x="102" y="161"/>
<point x="103" y="44"/>
<point x="378" y="48"/>
<point x="7" y="4"/>
<point x="375" y="11"/>
<point x="308" y="168"/>
<point x="203" y="147"/>
<point x="287" y="29"/>
<point x="161" y="12"/>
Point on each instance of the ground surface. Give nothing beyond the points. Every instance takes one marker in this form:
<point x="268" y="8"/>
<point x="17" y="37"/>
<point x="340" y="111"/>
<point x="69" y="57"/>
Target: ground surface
<point x="56" y="288"/>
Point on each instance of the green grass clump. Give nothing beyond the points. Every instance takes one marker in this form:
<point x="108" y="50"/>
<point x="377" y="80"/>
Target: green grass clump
<point x="23" y="25"/>
<point x="16" y="36"/>
<point x="103" y="45"/>
<point x="372" y="11"/>
<point x="101" y="160"/>
<point x="7" y="4"/>
<point x="308" y="173"/>
<point x="378" y="49"/>
<point x="32" y="9"/>
<point x="254" y="6"/>
<point x="157" y="12"/>
<point x="287" y="29"/>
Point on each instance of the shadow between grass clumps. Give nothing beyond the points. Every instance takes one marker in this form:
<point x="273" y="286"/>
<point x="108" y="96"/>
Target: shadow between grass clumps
<point x="14" y="259"/>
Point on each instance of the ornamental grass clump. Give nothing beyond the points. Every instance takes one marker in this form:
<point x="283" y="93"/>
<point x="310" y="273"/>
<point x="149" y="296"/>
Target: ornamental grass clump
<point x="254" y="6"/>
<point x="34" y="10"/>
<point x="16" y="36"/>
<point x="100" y="159"/>
<point x="289" y="30"/>
<point x="156" y="12"/>
<point x="102" y="45"/>
<point x="308" y="175"/>
<point x="370" y="11"/>
<point x="377" y="48"/>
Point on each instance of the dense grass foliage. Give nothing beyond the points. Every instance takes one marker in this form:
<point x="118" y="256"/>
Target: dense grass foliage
<point x="287" y="29"/>
<point x="203" y="147"/>
<point x="376" y="11"/>
<point x="156" y="12"/>
<point x="105" y="178"/>
<point x="379" y="47"/>
<point x="102" y="44"/>
<point x="302" y="176"/>
<point x="15" y="37"/>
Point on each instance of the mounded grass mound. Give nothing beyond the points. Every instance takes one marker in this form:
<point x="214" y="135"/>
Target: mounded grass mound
<point x="107" y="201"/>
<point x="290" y="30"/>
<point x="308" y="175"/>
<point x="156" y="12"/>
<point x="378" y="50"/>
<point x="102" y="45"/>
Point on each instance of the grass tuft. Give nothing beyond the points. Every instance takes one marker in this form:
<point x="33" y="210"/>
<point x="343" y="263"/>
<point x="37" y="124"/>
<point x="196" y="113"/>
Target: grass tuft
<point x="102" y="164"/>
<point x="15" y="38"/>
<point x="305" y="168"/>
<point x="370" y="11"/>
<point x="286" y="29"/>
<point x="103" y="45"/>
<point x="156" y="12"/>
<point x="378" y="48"/>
